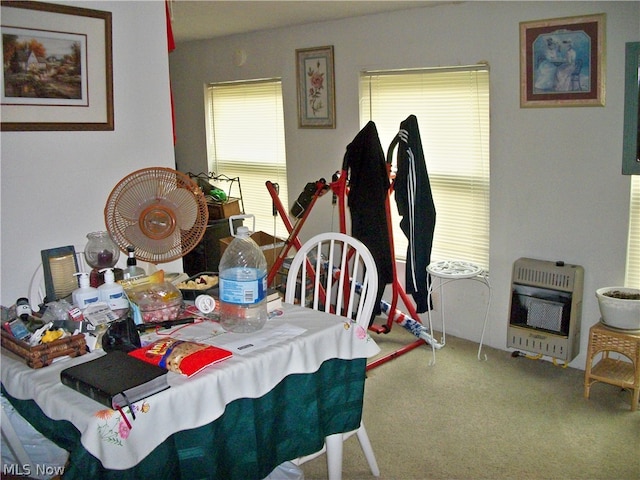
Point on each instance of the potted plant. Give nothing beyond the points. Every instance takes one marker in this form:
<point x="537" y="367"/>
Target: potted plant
<point x="620" y="307"/>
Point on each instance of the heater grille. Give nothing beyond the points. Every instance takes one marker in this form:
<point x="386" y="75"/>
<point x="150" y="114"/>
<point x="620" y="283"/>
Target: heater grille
<point x="543" y="274"/>
<point x="544" y="314"/>
<point x="546" y="304"/>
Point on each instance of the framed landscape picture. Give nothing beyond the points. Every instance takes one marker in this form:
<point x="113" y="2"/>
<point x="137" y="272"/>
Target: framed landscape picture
<point x="57" y="67"/>
<point x="316" y="88"/>
<point x="562" y="62"/>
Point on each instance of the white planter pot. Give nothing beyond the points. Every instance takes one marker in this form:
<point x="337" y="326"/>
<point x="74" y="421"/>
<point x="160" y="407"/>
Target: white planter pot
<point x="619" y="312"/>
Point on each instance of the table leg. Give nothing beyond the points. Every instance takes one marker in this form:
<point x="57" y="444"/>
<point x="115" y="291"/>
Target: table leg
<point x="484" y="280"/>
<point x="429" y="309"/>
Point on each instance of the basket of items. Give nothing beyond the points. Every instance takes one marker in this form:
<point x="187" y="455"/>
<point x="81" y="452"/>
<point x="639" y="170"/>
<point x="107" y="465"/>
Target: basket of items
<point x="44" y="354"/>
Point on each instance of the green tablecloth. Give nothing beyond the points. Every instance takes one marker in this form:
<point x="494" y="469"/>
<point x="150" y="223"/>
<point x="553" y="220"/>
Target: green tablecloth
<point x="252" y="437"/>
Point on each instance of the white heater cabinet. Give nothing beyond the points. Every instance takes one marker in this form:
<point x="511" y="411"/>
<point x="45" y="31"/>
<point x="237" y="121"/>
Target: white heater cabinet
<point x="546" y="308"/>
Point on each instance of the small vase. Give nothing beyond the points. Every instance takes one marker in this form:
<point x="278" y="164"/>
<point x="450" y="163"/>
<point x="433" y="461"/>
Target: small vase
<point x="100" y="252"/>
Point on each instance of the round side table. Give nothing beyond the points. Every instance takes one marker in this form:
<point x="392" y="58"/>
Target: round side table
<point x="448" y="271"/>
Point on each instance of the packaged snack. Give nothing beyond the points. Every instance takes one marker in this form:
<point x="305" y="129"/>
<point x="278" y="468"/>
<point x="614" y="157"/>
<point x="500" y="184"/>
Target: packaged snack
<point x="181" y="356"/>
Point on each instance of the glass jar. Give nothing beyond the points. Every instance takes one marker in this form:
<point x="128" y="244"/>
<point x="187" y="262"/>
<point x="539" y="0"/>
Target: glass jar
<point x="101" y="251"/>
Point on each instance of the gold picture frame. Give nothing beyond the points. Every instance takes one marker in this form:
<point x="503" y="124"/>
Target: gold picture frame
<point x="316" y="87"/>
<point x="562" y="62"/>
<point x="57" y="67"/>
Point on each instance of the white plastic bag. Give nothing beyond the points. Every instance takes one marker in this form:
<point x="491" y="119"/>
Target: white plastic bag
<point x="286" y="471"/>
<point x="46" y="459"/>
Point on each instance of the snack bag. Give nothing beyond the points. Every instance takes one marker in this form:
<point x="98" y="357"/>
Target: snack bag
<point x="181" y="356"/>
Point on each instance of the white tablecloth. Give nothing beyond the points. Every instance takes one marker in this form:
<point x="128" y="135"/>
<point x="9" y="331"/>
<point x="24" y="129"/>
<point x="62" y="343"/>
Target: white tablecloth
<point x="299" y="341"/>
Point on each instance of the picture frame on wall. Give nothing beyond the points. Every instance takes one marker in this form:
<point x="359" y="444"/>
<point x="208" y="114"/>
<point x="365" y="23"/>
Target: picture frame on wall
<point x="316" y="87"/>
<point x="57" y="67"/>
<point x="562" y="62"/>
<point x="631" y="131"/>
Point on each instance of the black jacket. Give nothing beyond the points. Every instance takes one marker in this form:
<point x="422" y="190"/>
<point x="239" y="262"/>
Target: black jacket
<point x="415" y="205"/>
<point x="368" y="189"/>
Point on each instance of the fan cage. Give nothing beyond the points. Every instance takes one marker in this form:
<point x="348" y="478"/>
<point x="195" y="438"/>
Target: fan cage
<point x="157" y="189"/>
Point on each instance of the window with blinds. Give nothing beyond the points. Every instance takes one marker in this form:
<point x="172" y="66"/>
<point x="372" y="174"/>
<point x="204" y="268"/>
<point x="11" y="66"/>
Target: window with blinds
<point x="632" y="279"/>
<point x="452" y="107"/>
<point x="245" y="139"/>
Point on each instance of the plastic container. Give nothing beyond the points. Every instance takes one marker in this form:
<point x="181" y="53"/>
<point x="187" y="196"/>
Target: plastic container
<point x="243" y="285"/>
<point x="85" y="295"/>
<point x="620" y="307"/>
<point x="155" y="302"/>
<point x="132" y="270"/>
<point x="201" y="283"/>
<point x="111" y="292"/>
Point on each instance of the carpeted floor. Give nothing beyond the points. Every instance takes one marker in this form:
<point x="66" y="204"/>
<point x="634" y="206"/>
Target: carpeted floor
<point x="504" y="418"/>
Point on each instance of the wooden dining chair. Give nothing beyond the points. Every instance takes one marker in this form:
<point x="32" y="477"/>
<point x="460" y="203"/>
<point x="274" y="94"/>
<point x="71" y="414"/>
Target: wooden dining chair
<point x="336" y="273"/>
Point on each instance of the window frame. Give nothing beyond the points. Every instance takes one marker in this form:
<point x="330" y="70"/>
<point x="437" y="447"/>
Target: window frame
<point x="223" y="158"/>
<point x="441" y="181"/>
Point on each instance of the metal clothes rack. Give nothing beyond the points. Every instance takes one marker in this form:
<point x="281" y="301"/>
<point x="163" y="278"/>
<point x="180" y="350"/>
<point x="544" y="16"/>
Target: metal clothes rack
<point x="220" y="177"/>
<point x="410" y="320"/>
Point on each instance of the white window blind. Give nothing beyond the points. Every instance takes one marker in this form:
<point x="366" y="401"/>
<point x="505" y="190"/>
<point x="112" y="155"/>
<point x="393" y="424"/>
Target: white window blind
<point x="632" y="279"/>
<point x="245" y="135"/>
<point x="452" y="108"/>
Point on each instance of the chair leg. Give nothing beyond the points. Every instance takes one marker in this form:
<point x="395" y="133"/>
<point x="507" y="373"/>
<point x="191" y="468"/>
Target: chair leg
<point x="363" y="438"/>
<point x="13" y="441"/>
<point x="334" y="445"/>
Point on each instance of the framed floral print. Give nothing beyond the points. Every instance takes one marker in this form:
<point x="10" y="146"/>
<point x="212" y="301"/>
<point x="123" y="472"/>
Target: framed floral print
<point x="316" y="87"/>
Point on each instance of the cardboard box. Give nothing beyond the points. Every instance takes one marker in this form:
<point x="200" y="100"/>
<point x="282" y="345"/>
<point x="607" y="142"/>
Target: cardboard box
<point x="218" y="211"/>
<point x="271" y="246"/>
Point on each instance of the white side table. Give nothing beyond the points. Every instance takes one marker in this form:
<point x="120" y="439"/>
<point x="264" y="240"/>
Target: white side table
<point x="448" y="271"/>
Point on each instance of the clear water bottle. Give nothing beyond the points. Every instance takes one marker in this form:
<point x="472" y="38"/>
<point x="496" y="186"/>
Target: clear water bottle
<point x="243" y="285"/>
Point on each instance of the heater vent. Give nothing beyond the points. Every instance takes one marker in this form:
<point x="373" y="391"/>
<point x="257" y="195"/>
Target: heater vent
<point x="546" y="304"/>
<point x="543" y="274"/>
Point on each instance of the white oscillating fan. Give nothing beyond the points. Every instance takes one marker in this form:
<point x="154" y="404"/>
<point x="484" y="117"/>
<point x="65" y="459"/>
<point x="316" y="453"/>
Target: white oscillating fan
<point x="160" y="211"/>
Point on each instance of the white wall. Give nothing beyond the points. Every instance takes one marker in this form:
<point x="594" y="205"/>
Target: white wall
<point x="556" y="188"/>
<point x="54" y="185"/>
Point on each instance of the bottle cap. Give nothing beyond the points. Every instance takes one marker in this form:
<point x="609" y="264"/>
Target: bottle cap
<point x="109" y="277"/>
<point x="84" y="279"/>
<point x="205" y="303"/>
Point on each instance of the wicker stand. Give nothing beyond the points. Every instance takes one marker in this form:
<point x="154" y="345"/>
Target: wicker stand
<point x="618" y="372"/>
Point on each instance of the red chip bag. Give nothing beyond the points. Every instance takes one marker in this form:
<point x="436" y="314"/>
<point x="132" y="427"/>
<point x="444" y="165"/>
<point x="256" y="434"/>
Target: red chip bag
<point x="181" y="356"/>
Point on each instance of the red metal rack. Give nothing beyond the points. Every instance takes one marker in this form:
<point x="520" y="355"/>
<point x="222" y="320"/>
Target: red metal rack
<point x="339" y="188"/>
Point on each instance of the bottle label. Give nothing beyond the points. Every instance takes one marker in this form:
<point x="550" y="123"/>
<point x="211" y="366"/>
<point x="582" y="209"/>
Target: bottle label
<point x="243" y="291"/>
<point x="88" y="301"/>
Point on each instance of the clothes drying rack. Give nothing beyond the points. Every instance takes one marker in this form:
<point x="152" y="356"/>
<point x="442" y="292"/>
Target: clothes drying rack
<point x="339" y="188"/>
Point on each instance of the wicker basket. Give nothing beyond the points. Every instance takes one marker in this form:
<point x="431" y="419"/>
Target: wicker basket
<point x="43" y="355"/>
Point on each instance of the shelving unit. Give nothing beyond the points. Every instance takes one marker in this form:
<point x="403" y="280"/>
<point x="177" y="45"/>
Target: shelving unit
<point x="205" y="257"/>
<point x="232" y="183"/>
<point x="624" y="373"/>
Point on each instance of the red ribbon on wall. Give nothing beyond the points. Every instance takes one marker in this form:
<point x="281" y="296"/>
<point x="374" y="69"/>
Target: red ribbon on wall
<point x="171" y="46"/>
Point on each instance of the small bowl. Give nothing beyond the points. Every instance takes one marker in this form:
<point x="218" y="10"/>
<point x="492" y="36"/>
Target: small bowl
<point x="619" y="313"/>
<point x="192" y="293"/>
<point x="161" y="313"/>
